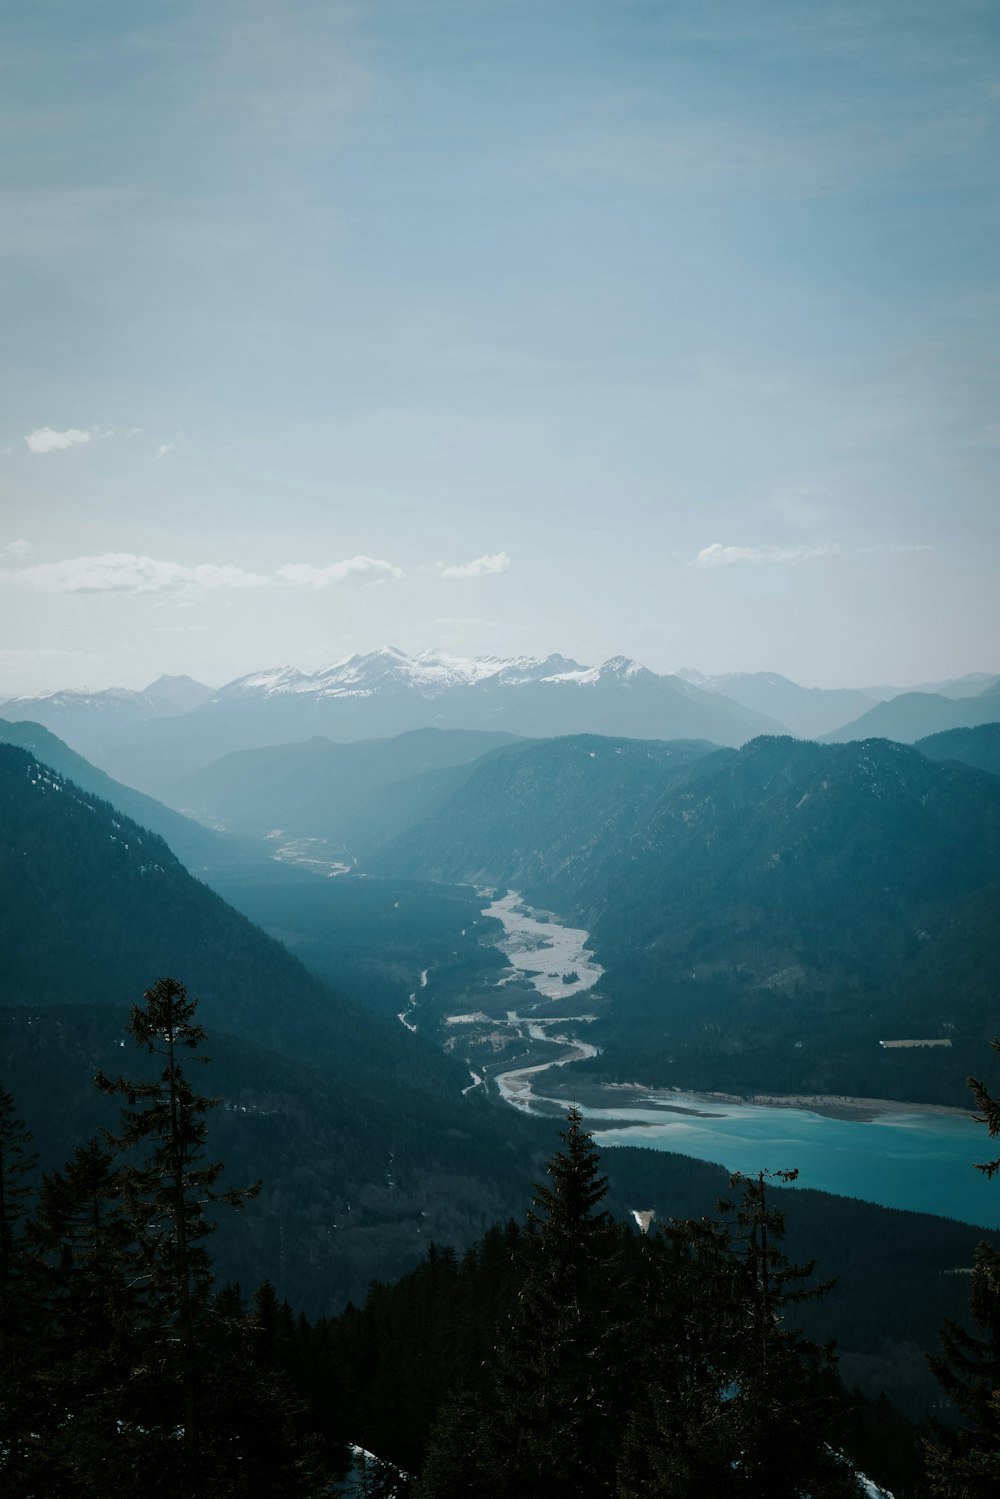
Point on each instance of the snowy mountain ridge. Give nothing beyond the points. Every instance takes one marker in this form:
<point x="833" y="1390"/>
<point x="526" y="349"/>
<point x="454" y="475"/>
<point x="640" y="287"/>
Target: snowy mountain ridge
<point x="428" y="673"/>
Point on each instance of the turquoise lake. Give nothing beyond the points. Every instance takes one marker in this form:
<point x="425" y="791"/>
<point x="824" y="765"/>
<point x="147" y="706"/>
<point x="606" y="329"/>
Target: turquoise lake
<point x="901" y="1160"/>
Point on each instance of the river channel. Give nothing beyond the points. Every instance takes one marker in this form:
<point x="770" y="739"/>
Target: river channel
<point x="895" y="1154"/>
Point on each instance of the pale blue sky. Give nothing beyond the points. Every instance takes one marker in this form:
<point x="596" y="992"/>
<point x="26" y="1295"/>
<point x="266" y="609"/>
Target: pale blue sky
<point x="594" y="326"/>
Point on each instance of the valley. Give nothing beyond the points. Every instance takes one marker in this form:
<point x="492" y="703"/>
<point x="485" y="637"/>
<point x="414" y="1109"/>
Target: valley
<point x="898" y="1155"/>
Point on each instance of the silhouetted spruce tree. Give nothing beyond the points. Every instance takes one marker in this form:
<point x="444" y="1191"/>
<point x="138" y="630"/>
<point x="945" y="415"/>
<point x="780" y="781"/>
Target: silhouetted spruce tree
<point x="93" y="1412"/>
<point x="734" y="1404"/>
<point x="989" y="1107"/>
<point x="166" y="1186"/>
<point x="260" y="1441"/>
<point x="17" y="1164"/>
<point x="965" y="1464"/>
<point x="548" y="1421"/>
<point x="21" y="1403"/>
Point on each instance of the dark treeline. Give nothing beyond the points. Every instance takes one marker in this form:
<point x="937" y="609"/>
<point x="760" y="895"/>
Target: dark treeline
<point x="567" y="1355"/>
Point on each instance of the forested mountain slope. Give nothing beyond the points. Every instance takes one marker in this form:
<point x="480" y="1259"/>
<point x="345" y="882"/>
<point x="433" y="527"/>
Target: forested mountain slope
<point x="978" y="747"/>
<point x="544" y="816"/>
<point x="342" y="1107"/>
<point x="197" y="847"/>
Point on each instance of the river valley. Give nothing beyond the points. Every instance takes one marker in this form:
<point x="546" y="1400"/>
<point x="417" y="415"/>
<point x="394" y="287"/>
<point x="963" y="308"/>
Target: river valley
<point x="895" y="1154"/>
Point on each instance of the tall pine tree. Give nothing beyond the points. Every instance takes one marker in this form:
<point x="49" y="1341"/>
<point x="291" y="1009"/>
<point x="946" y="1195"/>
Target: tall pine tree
<point x="734" y="1404"/>
<point x="548" y="1420"/>
<point x="20" y="1355"/>
<point x="166" y="1187"/>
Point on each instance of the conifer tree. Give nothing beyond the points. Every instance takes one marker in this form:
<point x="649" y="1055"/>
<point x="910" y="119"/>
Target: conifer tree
<point x="17" y="1163"/>
<point x="20" y="1355"/>
<point x="549" y="1420"/>
<point x="734" y="1405"/>
<point x="165" y="1193"/>
<point x="93" y="1414"/>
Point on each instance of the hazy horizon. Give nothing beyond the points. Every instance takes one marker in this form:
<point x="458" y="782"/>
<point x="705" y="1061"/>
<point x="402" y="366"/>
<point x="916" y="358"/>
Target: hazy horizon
<point x="601" y="327"/>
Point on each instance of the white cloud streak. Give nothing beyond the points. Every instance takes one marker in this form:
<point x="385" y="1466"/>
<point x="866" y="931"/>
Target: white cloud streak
<point x="48" y="440"/>
<point x="479" y="567"/>
<point x="356" y="569"/>
<point x="124" y="572"/>
<point x="720" y="556"/>
<point x="129" y="573"/>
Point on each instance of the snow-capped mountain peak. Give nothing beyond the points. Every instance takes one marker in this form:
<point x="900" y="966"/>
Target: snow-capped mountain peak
<point x="616" y="668"/>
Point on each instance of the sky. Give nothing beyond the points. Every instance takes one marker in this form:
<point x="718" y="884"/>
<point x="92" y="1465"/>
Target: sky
<point x="499" y="327"/>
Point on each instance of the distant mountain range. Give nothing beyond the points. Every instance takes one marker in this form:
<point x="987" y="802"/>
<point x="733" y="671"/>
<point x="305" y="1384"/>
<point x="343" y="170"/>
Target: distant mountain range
<point x="811" y="712"/>
<point x="916" y="715"/>
<point x="154" y="738"/>
<point x="85" y="717"/>
<point x="380" y="695"/>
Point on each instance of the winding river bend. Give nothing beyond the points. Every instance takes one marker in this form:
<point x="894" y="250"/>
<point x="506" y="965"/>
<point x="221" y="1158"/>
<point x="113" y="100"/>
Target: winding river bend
<point x="898" y="1155"/>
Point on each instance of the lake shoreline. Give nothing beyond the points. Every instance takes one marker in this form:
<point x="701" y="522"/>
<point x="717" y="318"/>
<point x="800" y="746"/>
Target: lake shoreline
<point x="830" y="1105"/>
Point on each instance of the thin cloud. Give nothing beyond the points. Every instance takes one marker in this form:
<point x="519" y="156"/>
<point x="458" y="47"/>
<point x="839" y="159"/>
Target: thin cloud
<point x="164" y="449"/>
<point x="479" y="567"/>
<point x="20" y="549"/>
<point x="48" y="440"/>
<point x="717" y="555"/>
<point x="358" y="569"/>
<point x="128" y="573"/>
<point x="125" y="572"/>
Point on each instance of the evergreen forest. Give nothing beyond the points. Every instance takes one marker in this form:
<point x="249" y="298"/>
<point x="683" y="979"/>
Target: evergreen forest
<point x="568" y="1352"/>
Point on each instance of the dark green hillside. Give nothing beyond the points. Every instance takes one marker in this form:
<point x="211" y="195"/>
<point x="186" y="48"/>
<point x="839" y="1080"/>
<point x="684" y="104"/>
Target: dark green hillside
<point x="978" y="747"/>
<point x="94" y="908"/>
<point x="360" y="1168"/>
<point x="373" y="938"/>
<point x="197" y="847"/>
<point x="819" y="900"/>
<point x="93" y="905"/>
<point x="543" y="816"/>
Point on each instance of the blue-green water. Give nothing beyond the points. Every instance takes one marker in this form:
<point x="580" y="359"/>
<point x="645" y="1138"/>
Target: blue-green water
<point x="901" y="1160"/>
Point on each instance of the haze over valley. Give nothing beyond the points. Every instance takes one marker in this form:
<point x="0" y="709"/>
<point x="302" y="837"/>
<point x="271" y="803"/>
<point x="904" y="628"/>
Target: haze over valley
<point x="500" y="750"/>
